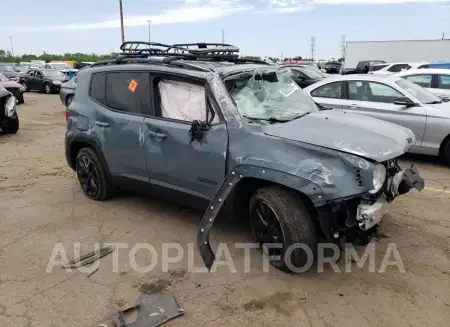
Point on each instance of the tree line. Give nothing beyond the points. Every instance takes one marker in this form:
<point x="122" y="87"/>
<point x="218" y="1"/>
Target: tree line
<point x="6" y="56"/>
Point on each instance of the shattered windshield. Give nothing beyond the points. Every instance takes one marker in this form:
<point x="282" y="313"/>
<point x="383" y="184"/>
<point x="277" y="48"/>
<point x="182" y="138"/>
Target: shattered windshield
<point x="269" y="94"/>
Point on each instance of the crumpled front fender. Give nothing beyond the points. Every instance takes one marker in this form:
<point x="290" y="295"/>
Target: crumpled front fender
<point x="240" y="172"/>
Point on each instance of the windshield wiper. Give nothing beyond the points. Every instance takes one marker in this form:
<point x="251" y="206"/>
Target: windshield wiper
<point x="321" y="107"/>
<point x="434" y="102"/>
<point x="270" y="119"/>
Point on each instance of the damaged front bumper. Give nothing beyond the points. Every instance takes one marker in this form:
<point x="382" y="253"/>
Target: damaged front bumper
<point x="370" y="214"/>
<point x="338" y="219"/>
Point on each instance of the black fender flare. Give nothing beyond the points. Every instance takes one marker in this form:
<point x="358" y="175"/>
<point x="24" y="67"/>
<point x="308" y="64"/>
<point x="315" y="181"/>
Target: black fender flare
<point x="81" y="139"/>
<point x="313" y="191"/>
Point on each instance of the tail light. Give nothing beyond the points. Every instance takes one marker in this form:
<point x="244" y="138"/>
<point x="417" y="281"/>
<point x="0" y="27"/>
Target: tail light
<point x="67" y="114"/>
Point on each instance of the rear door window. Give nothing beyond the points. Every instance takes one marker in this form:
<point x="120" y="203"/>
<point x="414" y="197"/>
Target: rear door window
<point x="422" y="80"/>
<point x="444" y="82"/>
<point x="128" y="92"/>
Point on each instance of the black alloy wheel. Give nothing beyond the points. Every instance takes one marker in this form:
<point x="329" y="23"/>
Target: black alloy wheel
<point x="88" y="176"/>
<point x="266" y="227"/>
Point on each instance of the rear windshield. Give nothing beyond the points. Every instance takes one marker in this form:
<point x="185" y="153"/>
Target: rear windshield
<point x="377" y="67"/>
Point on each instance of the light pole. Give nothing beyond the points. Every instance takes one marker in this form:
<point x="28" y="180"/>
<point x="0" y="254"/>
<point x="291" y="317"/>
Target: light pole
<point x="12" y="48"/>
<point x="223" y="36"/>
<point x="149" y="30"/>
<point x="121" y="21"/>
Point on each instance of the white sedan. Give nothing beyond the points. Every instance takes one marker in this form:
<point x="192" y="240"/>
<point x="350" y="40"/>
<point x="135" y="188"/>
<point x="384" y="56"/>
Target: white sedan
<point x="393" y="68"/>
<point x="393" y="99"/>
<point x="437" y="81"/>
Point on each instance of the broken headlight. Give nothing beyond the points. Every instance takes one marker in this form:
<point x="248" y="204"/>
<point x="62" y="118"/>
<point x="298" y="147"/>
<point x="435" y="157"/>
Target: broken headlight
<point x="10" y="106"/>
<point x="379" y="176"/>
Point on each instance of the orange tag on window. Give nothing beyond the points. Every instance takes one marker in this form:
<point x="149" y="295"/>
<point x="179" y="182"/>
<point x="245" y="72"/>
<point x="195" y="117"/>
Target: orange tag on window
<point x="133" y="85"/>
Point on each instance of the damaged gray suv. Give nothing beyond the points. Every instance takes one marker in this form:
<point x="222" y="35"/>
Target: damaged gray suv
<point x="198" y="125"/>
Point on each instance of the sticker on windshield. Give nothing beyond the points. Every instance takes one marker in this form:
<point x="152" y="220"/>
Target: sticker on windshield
<point x="289" y="89"/>
<point x="133" y="85"/>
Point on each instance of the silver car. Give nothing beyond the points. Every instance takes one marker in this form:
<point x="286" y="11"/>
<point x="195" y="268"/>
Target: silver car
<point x="437" y="81"/>
<point x="393" y="99"/>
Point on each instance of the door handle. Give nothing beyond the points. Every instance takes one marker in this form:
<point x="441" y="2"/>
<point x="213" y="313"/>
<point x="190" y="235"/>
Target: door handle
<point x="101" y="123"/>
<point x="157" y="135"/>
<point x="353" y="105"/>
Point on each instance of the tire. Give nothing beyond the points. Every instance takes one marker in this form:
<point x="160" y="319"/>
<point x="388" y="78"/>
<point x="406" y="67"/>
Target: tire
<point x="20" y="99"/>
<point x="69" y="100"/>
<point x="104" y="187"/>
<point x="47" y="88"/>
<point x="446" y="152"/>
<point x="295" y="223"/>
<point x="13" y="126"/>
<point x="24" y="84"/>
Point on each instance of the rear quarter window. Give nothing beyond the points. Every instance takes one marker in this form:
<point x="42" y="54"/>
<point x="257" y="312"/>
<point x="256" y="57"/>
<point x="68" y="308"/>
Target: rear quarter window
<point x="97" y="87"/>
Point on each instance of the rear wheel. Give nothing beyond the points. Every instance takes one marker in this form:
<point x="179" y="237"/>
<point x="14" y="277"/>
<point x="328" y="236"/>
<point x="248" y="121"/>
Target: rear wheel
<point x="278" y="216"/>
<point x="92" y="175"/>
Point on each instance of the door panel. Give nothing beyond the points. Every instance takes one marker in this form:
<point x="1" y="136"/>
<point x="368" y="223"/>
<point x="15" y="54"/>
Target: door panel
<point x="413" y="118"/>
<point x="122" y="136"/>
<point x="195" y="168"/>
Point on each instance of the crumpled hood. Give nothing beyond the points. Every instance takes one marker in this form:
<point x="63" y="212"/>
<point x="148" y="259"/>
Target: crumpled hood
<point x="10" y="84"/>
<point x="356" y="134"/>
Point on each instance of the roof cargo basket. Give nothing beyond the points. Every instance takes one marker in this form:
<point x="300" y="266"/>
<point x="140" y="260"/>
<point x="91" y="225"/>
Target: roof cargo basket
<point x="140" y="48"/>
<point x="189" y="50"/>
<point x="177" y="54"/>
<point x="208" y="50"/>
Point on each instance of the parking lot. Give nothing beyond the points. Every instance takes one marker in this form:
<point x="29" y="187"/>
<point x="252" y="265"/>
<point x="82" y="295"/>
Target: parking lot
<point x="41" y="204"/>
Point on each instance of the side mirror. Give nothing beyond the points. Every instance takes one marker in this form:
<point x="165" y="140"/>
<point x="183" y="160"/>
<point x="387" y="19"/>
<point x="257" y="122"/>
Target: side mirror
<point x="407" y="102"/>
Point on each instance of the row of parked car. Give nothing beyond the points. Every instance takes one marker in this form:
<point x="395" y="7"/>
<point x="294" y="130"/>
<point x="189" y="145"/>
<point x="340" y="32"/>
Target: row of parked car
<point x="416" y="97"/>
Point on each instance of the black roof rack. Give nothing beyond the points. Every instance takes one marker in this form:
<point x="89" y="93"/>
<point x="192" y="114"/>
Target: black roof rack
<point x="145" y="52"/>
<point x="208" y="50"/>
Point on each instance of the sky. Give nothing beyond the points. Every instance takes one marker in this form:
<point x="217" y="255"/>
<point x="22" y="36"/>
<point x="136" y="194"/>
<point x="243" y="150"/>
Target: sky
<point x="257" y="27"/>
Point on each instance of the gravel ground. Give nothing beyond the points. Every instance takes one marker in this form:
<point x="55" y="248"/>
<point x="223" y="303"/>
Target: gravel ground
<point x="41" y="204"/>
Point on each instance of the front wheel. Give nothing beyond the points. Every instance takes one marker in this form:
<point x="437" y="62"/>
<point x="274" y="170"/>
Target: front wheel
<point x="20" y="99"/>
<point x="284" y="228"/>
<point x="446" y="152"/>
<point x="92" y="175"/>
<point x="13" y="126"/>
<point x="47" y="88"/>
<point x="24" y="84"/>
<point x="69" y="100"/>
